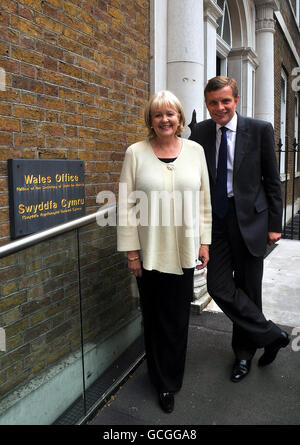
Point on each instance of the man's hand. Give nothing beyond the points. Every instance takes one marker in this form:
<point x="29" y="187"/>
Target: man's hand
<point x="273" y="237"/>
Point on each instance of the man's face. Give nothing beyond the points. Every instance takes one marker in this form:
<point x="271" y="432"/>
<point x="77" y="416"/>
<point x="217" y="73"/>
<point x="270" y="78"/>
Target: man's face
<point x="221" y="105"/>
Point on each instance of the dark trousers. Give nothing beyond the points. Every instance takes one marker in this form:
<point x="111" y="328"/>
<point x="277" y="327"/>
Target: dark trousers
<point x="234" y="281"/>
<point x="165" y="303"/>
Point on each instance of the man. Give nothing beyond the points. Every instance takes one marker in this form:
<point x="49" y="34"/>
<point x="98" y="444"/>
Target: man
<point x="247" y="213"/>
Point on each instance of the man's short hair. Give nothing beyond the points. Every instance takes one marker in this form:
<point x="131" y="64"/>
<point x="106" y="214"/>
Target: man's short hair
<point x="218" y="82"/>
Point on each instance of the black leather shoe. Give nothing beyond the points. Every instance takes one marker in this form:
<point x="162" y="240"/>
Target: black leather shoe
<point x="166" y="401"/>
<point x="240" y="369"/>
<point x="272" y="349"/>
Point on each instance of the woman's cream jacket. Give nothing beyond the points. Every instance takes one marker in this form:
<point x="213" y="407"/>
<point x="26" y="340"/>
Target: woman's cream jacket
<point x="164" y="209"/>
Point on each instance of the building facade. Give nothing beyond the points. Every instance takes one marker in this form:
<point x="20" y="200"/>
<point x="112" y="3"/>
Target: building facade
<point x="254" y="41"/>
<point x="76" y="75"/>
<point x="74" y="80"/>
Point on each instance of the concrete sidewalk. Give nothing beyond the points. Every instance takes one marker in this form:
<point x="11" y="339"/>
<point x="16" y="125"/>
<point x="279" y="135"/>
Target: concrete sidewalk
<point x="267" y="396"/>
<point x="281" y="285"/>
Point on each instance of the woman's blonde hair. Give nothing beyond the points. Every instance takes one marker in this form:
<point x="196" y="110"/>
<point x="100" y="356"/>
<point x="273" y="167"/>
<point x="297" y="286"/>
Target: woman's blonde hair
<point x="163" y="98"/>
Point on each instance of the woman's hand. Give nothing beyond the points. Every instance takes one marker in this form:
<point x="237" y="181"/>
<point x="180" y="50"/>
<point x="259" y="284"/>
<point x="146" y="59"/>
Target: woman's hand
<point x="134" y="263"/>
<point x="203" y="256"/>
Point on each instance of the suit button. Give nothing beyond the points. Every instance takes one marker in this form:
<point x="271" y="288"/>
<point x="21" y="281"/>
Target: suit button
<point x="170" y="167"/>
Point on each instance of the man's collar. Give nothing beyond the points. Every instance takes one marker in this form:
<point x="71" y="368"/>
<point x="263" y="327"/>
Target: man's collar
<point x="231" y="125"/>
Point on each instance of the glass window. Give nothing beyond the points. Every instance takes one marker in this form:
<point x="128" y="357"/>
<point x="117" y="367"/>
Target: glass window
<point x="224" y="39"/>
<point x="72" y="321"/>
<point x="218" y="66"/>
<point x="221" y="66"/>
<point x="224" y="28"/>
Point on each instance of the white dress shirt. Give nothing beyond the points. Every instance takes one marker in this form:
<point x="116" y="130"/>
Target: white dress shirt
<point x="231" y="137"/>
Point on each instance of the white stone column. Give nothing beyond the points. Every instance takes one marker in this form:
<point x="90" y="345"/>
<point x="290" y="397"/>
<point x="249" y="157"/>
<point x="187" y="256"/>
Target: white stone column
<point x="158" y="45"/>
<point x="185" y="77"/>
<point x="211" y="14"/>
<point x="177" y="64"/>
<point x="185" y="55"/>
<point x="265" y="29"/>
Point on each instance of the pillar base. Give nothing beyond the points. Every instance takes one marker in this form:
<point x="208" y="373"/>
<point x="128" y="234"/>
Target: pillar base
<point x="200" y="304"/>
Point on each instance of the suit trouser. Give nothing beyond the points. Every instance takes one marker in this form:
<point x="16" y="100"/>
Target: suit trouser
<point x="165" y="303"/>
<point x="234" y="281"/>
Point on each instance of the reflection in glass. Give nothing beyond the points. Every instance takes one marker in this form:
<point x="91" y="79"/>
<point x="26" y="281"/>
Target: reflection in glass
<point x="41" y="367"/>
<point x="224" y="24"/>
<point x="111" y="317"/>
<point x="72" y="323"/>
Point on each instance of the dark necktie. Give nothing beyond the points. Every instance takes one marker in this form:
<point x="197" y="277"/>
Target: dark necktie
<point x="220" y="203"/>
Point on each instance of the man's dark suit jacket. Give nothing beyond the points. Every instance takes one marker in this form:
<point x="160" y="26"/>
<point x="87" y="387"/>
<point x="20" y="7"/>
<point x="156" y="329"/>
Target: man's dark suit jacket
<point x="256" y="181"/>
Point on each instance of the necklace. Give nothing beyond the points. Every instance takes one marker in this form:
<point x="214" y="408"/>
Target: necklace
<point x="171" y="150"/>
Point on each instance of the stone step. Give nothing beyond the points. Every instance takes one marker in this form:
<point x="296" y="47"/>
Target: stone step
<point x="200" y="304"/>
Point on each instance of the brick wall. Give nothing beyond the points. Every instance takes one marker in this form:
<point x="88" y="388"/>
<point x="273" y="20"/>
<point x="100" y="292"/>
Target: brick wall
<point x="284" y="59"/>
<point x="77" y="78"/>
<point x="39" y="310"/>
<point x="40" y="307"/>
<point x="289" y="13"/>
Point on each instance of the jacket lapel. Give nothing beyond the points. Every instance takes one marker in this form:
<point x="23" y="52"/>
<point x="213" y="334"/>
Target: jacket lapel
<point x="241" y="143"/>
<point x="210" y="149"/>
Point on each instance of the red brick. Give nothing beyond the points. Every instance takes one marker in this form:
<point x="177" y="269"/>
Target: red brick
<point x="5" y="139"/>
<point x="27" y="112"/>
<point x="25" y="26"/>
<point x="50" y="103"/>
<point x="9" y="124"/>
<point x="77" y="82"/>
<point x="52" y="129"/>
<point x="22" y="140"/>
<point x="9" y="5"/>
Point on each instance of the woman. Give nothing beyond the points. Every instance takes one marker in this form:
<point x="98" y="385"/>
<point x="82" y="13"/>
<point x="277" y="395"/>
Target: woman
<point x="164" y="226"/>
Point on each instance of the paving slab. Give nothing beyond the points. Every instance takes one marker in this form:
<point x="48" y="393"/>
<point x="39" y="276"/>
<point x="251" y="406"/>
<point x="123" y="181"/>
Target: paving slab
<point x="267" y="396"/>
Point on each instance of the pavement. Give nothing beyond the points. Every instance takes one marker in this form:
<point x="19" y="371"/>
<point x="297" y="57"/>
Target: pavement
<point x="267" y="396"/>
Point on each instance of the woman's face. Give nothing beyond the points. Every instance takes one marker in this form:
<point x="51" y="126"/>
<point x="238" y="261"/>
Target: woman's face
<point x="165" y="121"/>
